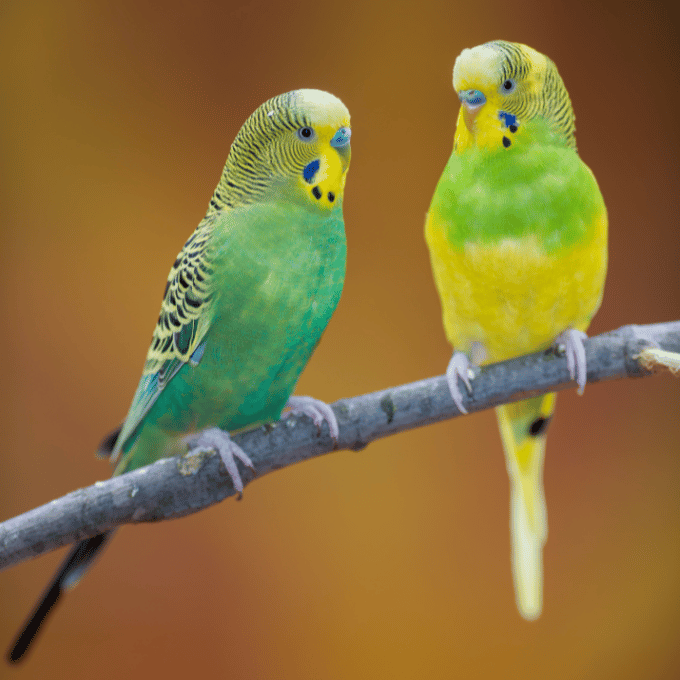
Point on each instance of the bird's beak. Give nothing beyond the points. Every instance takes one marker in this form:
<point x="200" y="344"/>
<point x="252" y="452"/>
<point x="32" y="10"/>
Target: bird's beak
<point x="472" y="101"/>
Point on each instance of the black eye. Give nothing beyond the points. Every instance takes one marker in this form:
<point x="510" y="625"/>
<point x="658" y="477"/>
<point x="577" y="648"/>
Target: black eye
<point x="305" y="134"/>
<point x="508" y="86"/>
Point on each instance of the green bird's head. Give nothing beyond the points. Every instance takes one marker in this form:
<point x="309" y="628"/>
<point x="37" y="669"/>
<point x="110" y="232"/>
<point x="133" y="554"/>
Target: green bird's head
<point x="295" y="146"/>
<point x="507" y="91"/>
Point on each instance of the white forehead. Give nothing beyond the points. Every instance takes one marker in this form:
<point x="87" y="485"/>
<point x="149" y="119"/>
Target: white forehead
<point x="479" y="65"/>
<point x="322" y="107"/>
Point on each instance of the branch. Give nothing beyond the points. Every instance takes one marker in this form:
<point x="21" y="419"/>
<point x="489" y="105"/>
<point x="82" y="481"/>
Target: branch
<point x="174" y="487"/>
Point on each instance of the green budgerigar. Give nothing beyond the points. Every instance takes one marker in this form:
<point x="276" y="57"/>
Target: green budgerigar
<point x="245" y="304"/>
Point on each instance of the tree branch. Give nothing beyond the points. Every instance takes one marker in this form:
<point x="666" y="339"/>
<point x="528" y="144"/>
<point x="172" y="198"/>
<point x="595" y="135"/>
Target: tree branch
<point x="174" y="487"/>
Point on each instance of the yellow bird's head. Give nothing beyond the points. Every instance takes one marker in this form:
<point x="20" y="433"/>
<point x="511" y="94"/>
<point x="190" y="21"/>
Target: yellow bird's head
<point x="503" y="87"/>
<point x="293" y="147"/>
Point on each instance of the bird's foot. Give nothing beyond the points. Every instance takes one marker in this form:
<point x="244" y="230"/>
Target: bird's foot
<point x="570" y="342"/>
<point x="318" y="411"/>
<point x="218" y="440"/>
<point x="459" y="367"/>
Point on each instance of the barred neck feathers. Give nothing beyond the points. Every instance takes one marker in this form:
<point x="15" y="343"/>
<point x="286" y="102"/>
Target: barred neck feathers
<point x="296" y="147"/>
<point x="510" y="95"/>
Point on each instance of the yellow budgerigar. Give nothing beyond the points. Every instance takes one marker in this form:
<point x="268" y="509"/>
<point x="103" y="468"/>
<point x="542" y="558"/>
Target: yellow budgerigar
<point x="517" y="232"/>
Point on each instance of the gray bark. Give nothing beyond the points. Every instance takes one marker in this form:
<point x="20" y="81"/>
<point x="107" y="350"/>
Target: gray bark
<point x="174" y="487"/>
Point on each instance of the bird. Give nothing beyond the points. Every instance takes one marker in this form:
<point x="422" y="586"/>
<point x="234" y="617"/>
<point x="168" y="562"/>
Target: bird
<point x="245" y="304"/>
<point x="517" y="238"/>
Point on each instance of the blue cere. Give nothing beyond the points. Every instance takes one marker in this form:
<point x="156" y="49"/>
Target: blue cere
<point x="507" y="119"/>
<point x="472" y="97"/>
<point x="310" y="171"/>
<point x="341" y="137"/>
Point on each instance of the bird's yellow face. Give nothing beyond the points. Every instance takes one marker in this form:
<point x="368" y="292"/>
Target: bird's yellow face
<point x="317" y="153"/>
<point x="501" y="87"/>
<point x="322" y="180"/>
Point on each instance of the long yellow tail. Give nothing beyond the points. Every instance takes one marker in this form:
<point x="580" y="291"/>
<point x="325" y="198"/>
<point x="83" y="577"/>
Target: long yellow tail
<point x="523" y="428"/>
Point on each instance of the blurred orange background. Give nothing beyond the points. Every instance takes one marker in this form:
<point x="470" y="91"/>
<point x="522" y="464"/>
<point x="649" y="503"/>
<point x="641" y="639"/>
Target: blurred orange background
<point x="388" y="563"/>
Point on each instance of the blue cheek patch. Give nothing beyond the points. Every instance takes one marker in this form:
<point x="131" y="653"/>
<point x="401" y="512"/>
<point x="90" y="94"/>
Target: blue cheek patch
<point x="310" y="171"/>
<point x="507" y="119"/>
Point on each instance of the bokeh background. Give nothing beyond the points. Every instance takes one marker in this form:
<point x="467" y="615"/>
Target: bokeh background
<point x="116" y="118"/>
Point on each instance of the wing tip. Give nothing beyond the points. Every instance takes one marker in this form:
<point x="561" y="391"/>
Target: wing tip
<point x="108" y="443"/>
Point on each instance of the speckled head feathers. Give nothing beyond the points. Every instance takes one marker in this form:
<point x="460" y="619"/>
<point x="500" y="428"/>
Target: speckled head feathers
<point x="507" y="85"/>
<point x="488" y="65"/>
<point x="296" y="145"/>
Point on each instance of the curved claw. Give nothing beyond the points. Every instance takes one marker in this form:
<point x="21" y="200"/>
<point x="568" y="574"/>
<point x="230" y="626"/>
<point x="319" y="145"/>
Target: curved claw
<point x="571" y="342"/>
<point x="218" y="440"/>
<point x="459" y="367"/>
<point x="318" y="411"/>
